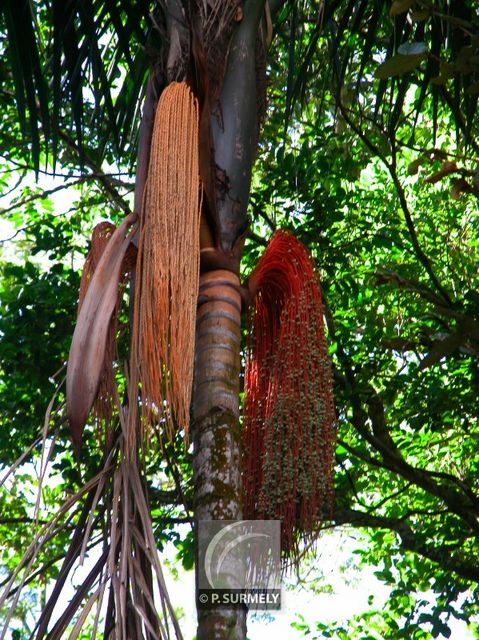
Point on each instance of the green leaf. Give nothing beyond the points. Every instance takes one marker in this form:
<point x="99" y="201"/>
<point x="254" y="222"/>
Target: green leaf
<point x="398" y="65"/>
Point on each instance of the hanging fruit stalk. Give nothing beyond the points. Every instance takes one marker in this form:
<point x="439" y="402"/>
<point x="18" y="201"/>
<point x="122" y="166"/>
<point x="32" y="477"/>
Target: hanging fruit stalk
<point x="288" y="412"/>
<point x="167" y="273"/>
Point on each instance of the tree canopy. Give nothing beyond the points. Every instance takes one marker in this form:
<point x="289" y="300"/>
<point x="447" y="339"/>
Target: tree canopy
<point x="368" y="151"/>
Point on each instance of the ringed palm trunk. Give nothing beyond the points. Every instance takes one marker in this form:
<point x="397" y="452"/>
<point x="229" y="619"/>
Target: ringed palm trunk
<point x="228" y="146"/>
<point x="215" y="425"/>
<point x="216" y="429"/>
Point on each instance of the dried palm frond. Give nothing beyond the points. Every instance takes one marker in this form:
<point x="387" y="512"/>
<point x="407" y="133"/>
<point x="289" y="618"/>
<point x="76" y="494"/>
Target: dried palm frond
<point x="104" y="401"/>
<point x="288" y="410"/>
<point x="167" y="272"/>
<point x="217" y="20"/>
<point x="110" y="528"/>
<point x="90" y="374"/>
<point x="100" y="237"/>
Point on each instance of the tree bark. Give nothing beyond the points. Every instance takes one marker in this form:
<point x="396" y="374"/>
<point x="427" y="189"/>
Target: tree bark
<point x="215" y="425"/>
<point x="216" y="430"/>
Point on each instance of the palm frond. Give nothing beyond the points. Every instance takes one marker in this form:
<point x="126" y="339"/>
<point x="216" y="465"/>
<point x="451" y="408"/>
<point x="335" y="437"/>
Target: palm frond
<point x="113" y="536"/>
<point x="68" y="62"/>
<point x="29" y="81"/>
<point x="360" y="34"/>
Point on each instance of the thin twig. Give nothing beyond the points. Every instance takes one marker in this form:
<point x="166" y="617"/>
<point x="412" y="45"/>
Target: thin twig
<point x="390" y="166"/>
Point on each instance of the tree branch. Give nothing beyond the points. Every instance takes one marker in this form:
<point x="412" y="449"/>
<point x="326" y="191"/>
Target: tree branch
<point x="463" y="503"/>
<point x="256" y="238"/>
<point x="460" y="503"/>
<point x="409" y="541"/>
<point x="107" y="183"/>
<point x="390" y="166"/>
<point x="423" y="259"/>
<point x="47" y="192"/>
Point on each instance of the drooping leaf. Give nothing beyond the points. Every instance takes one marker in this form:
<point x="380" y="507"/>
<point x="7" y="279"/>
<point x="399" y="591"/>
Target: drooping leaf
<point x="398" y="65"/>
<point x="85" y="362"/>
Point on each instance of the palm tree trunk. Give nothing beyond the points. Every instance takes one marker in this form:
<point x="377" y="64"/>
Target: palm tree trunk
<point x="216" y="429"/>
<point x="215" y="426"/>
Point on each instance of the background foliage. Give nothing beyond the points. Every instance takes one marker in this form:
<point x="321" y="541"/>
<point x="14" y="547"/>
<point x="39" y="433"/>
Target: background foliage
<point x="369" y="153"/>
